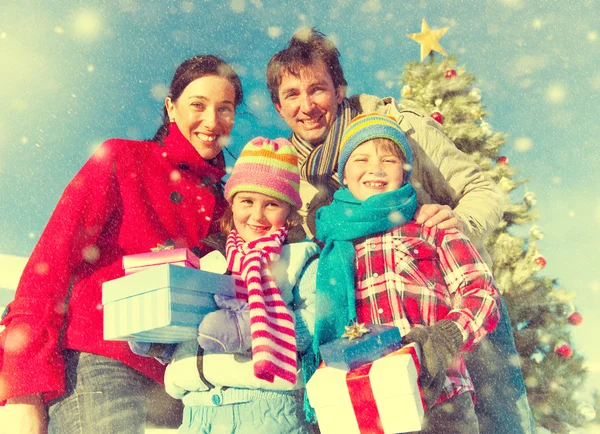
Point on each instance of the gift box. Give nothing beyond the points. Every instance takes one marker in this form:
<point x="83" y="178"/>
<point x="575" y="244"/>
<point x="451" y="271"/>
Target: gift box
<point x="351" y="352"/>
<point x="142" y="261"/>
<point x="377" y="398"/>
<point x="163" y="304"/>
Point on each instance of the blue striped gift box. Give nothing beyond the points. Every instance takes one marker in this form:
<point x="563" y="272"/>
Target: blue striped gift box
<point x="163" y="304"/>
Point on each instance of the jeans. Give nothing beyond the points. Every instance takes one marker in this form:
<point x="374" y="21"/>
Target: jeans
<point x="501" y="404"/>
<point x="454" y="416"/>
<point x="103" y="396"/>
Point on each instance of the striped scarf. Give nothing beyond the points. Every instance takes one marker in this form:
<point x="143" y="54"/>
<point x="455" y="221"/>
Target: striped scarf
<point x="271" y="322"/>
<point x="318" y="164"/>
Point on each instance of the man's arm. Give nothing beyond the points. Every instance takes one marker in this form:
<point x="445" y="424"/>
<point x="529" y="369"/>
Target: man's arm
<point x="450" y="177"/>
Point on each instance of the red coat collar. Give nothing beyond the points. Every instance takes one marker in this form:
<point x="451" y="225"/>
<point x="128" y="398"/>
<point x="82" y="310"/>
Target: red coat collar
<point x="182" y="155"/>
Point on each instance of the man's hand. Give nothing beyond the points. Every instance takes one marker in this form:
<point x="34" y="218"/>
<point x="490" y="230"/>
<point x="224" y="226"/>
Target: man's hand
<point x="442" y="216"/>
<point x="24" y="415"/>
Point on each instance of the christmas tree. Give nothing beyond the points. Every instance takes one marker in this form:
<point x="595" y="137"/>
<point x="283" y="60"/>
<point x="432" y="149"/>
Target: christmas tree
<point x="541" y="312"/>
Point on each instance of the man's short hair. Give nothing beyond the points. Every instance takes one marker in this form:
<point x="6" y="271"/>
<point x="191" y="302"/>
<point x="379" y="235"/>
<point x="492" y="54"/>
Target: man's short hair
<point x="305" y="48"/>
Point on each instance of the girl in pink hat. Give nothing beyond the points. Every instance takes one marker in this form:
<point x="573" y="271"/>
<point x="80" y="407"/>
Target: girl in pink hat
<point x="242" y="374"/>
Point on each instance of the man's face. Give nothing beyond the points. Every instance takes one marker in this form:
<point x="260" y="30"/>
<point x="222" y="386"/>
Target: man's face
<point x="308" y="103"/>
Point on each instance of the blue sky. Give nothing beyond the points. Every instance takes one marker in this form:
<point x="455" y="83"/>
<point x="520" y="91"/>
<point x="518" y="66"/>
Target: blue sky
<point x="75" y="73"/>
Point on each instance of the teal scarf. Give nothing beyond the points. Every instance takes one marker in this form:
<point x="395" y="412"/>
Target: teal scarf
<point x="346" y="219"/>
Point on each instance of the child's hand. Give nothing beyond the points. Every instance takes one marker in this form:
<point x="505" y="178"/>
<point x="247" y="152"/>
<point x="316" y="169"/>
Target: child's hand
<point x="226" y="330"/>
<point x="24" y="414"/>
<point x="439" y="346"/>
<point x="231" y="303"/>
<point x="442" y="216"/>
<point x="182" y="374"/>
<point x="161" y="352"/>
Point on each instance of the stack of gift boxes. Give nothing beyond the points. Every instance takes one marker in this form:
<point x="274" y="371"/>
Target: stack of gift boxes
<point x="367" y="383"/>
<point x="162" y="298"/>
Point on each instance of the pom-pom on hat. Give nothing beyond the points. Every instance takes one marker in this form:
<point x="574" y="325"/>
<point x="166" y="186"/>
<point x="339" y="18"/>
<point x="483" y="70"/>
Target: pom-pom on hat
<point x="269" y="167"/>
<point x="372" y="126"/>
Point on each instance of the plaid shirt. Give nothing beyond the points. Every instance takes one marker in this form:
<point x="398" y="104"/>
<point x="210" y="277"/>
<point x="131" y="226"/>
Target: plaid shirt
<point x="415" y="276"/>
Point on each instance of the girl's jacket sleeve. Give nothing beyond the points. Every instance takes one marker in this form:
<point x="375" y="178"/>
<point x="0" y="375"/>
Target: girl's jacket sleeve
<point x="234" y="370"/>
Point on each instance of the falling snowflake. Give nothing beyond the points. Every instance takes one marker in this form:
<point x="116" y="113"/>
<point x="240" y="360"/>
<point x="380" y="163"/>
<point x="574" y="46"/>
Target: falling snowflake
<point x="187" y="7"/>
<point x="274" y="32"/>
<point x="238" y="6"/>
<point x="556" y="94"/>
<point x="259" y="101"/>
<point x="175" y="176"/>
<point x="90" y="253"/>
<point x="159" y="92"/>
<point x="87" y="24"/>
<point x="523" y="144"/>
<point x="41" y="268"/>
<point x="513" y="4"/>
<point x="371" y="6"/>
<point x="525" y="65"/>
<point x="395" y="217"/>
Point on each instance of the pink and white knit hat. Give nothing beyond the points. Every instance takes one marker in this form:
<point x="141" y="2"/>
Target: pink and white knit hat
<point x="269" y="167"/>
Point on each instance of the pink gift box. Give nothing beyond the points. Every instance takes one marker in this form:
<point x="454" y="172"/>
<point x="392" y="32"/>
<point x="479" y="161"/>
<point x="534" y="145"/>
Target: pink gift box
<point x="142" y="261"/>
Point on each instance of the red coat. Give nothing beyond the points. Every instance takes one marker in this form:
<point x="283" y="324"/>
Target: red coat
<point x="127" y="198"/>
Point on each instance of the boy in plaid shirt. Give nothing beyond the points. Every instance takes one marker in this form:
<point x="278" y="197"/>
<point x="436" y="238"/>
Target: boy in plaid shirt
<point x="378" y="266"/>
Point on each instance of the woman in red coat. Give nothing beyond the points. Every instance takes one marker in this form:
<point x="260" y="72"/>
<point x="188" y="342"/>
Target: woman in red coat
<point x="56" y="371"/>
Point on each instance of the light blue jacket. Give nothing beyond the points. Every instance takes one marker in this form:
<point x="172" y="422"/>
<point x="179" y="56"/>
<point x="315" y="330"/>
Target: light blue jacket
<point x="233" y="374"/>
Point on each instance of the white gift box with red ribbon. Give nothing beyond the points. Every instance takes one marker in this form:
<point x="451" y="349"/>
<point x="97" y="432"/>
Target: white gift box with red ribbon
<point x="377" y="398"/>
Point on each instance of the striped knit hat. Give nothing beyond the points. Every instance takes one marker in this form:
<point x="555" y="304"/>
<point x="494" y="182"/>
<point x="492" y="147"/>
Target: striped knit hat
<point x="372" y="126"/>
<point x="269" y="167"/>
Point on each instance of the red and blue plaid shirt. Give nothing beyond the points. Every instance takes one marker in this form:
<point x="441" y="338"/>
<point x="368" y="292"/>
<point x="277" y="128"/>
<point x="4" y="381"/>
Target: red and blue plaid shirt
<point x="415" y="276"/>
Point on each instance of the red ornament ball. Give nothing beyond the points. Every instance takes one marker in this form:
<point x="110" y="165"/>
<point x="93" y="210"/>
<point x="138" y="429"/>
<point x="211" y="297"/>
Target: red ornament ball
<point x="502" y="160"/>
<point x="575" y="318"/>
<point x="437" y="116"/>
<point x="565" y="351"/>
<point x="540" y="261"/>
<point x="450" y="73"/>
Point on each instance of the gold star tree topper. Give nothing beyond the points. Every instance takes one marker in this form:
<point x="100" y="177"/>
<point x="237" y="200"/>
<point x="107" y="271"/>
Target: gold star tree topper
<point x="429" y="39"/>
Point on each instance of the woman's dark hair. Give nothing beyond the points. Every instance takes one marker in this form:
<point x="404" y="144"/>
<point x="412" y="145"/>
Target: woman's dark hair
<point x="190" y="70"/>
